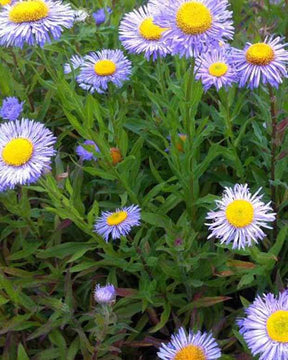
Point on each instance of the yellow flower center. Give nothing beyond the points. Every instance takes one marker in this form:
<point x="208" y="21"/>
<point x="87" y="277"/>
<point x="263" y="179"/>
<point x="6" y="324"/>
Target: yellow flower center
<point x="117" y="218"/>
<point x="277" y="326"/>
<point x="193" y="18"/>
<point x="104" y="67"/>
<point x="17" y="152"/>
<point x="5" y="2"/>
<point x="240" y="213"/>
<point x="260" y="54"/>
<point x="31" y="10"/>
<point x="190" y="352"/>
<point x="218" y="69"/>
<point x="149" y="31"/>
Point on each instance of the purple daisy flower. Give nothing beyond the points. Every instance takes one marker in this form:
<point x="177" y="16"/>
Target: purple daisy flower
<point x="105" y="294"/>
<point x="11" y="108"/>
<point x="84" y="153"/>
<point x="139" y="34"/>
<point x="117" y="223"/>
<point x="75" y="62"/>
<point x="101" y="67"/>
<point x="100" y="15"/>
<point x="26" y="148"/>
<point x="215" y="68"/>
<point x="265" y="327"/>
<point x="34" y="22"/>
<point x="263" y="62"/>
<point x="239" y="217"/>
<point x="193" y="25"/>
<point x="197" y="345"/>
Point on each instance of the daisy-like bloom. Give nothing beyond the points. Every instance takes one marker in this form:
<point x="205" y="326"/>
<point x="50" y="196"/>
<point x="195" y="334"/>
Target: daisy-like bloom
<point x="194" y="346"/>
<point x="139" y="34"/>
<point x="116" y="155"/>
<point x="263" y="62"/>
<point x="265" y="328"/>
<point x="239" y="217"/>
<point x="102" y="67"/>
<point x="193" y="25"/>
<point x="11" y="108"/>
<point x="117" y="223"/>
<point x="87" y="152"/>
<point x="26" y="148"/>
<point x="215" y="68"/>
<point x="75" y="62"/>
<point x="34" y="22"/>
<point x="105" y="294"/>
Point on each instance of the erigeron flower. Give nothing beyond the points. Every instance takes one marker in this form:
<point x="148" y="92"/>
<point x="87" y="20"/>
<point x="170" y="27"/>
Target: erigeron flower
<point x="239" y="217"/>
<point x="265" y="327"/>
<point x="11" y="108"/>
<point x="194" y="346"/>
<point x="117" y="223"/>
<point x="104" y="294"/>
<point x="34" y="22"/>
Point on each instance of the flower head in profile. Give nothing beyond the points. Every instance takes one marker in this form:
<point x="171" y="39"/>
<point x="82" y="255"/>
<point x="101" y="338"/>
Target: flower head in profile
<point x="34" y="22"/>
<point x="194" y="346"/>
<point x="26" y="148"/>
<point x="80" y="15"/>
<point x="265" y="327"/>
<point x="105" y="294"/>
<point x="215" y="68"/>
<point x="193" y="25"/>
<point x="139" y="34"/>
<point x="117" y="223"/>
<point x="239" y="217"/>
<point x="11" y="108"/>
<point x="87" y="152"/>
<point x="100" y="15"/>
<point x="263" y="62"/>
<point x="103" y="67"/>
<point x="74" y="63"/>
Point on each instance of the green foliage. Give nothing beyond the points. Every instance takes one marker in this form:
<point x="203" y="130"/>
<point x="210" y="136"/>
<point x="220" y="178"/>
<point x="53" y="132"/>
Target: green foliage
<point x="166" y="272"/>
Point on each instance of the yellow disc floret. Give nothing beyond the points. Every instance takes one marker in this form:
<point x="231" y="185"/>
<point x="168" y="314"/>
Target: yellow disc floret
<point x="277" y="326"/>
<point x="240" y="213"/>
<point x="193" y="18"/>
<point x="149" y="31"/>
<point x="17" y="152"/>
<point x="260" y="54"/>
<point x="104" y="67"/>
<point x="190" y="352"/>
<point x="117" y="218"/>
<point x="218" y="69"/>
<point x="26" y="11"/>
<point x="5" y="2"/>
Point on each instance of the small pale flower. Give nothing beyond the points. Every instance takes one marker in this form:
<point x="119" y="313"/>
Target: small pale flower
<point x="265" y="327"/>
<point x="11" y="108"/>
<point x="194" y="26"/>
<point x="215" y="68"/>
<point x="75" y="62"/>
<point x="117" y="223"/>
<point x="263" y="62"/>
<point x="194" y="346"/>
<point x="239" y="217"/>
<point x="34" y="22"/>
<point x="26" y="149"/>
<point x="87" y="152"/>
<point x="139" y="34"/>
<point x="105" y="294"/>
<point x="102" y="67"/>
<point x="80" y="15"/>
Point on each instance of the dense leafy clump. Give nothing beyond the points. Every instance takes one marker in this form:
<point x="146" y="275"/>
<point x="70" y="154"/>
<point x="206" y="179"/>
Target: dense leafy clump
<point x="158" y="143"/>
